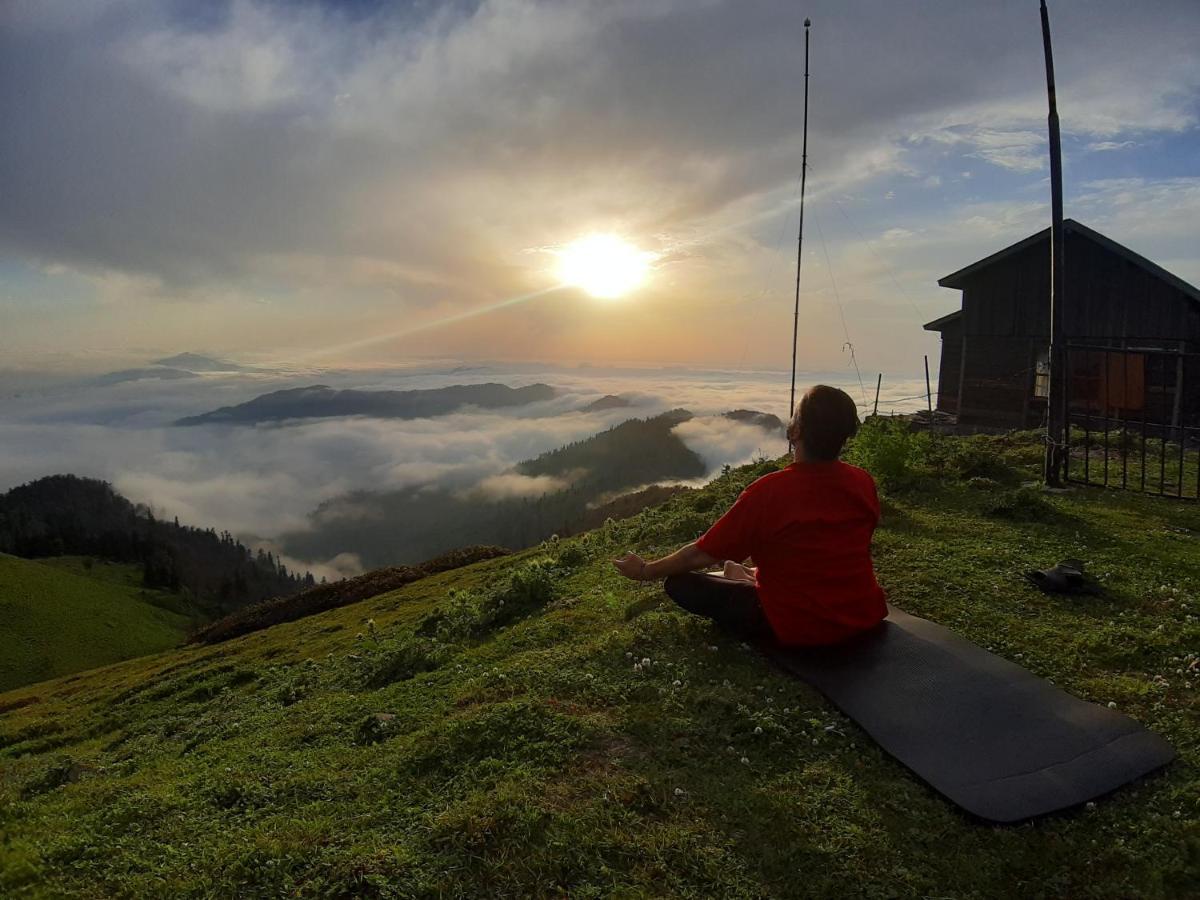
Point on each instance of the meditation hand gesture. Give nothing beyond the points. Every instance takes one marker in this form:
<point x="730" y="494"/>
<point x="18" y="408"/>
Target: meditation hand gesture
<point x="631" y="566"/>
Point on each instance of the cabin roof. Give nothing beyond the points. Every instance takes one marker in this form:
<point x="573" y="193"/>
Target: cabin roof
<point x="957" y="279"/>
<point x="944" y="322"/>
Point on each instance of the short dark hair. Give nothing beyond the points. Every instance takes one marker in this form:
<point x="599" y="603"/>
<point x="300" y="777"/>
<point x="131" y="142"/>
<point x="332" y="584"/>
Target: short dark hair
<point x="825" y="419"/>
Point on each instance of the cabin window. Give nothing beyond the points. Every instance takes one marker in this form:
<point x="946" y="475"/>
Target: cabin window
<point x="1041" y="377"/>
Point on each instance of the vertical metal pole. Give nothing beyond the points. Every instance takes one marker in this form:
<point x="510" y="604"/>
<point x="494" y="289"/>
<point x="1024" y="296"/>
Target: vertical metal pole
<point x="1124" y="415"/>
<point x="1147" y="371"/>
<point x="1088" y="355"/>
<point x="1056" y="412"/>
<point x="928" y="389"/>
<point x="800" y="234"/>
<point x="1180" y="434"/>
<point x="1066" y="469"/>
<point x="1177" y="402"/>
<point x="1162" y="431"/>
<point x="1107" y="407"/>
<point x="878" y="384"/>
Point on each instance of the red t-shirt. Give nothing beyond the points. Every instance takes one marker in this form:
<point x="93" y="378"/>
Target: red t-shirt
<point x="808" y="528"/>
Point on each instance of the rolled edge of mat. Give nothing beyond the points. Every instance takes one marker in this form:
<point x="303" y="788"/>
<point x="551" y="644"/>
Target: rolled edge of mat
<point x="1071" y="783"/>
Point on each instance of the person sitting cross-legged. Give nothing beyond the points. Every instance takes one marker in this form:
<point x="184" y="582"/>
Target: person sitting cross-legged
<point x="807" y="528"/>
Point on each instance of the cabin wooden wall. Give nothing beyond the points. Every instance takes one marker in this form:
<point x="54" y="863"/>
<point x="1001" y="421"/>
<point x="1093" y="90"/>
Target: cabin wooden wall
<point x="950" y="367"/>
<point x="997" y="381"/>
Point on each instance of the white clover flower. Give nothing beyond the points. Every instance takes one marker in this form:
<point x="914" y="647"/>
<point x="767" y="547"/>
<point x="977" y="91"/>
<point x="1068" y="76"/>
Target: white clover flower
<point x="745" y="760"/>
<point x="758" y="729"/>
<point x="678" y="792"/>
<point x="1112" y="704"/>
<point x="629" y="654"/>
<point x="645" y="660"/>
<point x="677" y="683"/>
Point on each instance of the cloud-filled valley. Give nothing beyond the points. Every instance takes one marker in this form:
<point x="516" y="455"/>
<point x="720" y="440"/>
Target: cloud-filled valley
<point x="264" y="481"/>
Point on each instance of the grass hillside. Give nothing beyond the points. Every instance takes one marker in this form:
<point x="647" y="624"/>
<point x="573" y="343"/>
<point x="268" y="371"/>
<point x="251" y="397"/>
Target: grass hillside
<point x="65" y="614"/>
<point x="535" y="726"/>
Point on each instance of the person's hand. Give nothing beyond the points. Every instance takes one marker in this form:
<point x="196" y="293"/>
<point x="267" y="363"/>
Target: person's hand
<point x="631" y="566"/>
<point x="737" y="572"/>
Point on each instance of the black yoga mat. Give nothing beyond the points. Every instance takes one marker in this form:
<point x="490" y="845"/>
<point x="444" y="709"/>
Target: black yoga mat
<point x="990" y="736"/>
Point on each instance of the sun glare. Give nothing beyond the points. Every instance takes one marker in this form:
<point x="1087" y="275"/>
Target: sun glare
<point x="604" y="265"/>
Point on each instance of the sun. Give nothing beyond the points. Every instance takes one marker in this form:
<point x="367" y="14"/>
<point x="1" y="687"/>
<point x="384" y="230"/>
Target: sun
<point x="604" y="265"/>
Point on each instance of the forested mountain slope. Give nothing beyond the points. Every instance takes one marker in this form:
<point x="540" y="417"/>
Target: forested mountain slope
<point x="66" y="514"/>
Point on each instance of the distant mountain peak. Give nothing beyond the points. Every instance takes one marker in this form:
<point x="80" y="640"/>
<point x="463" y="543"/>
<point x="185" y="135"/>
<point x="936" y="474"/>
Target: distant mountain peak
<point x="321" y="401"/>
<point x="767" y="421"/>
<point x="195" y="362"/>
<point x="608" y="401"/>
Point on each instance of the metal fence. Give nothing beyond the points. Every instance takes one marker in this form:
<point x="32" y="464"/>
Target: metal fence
<point x="1134" y="421"/>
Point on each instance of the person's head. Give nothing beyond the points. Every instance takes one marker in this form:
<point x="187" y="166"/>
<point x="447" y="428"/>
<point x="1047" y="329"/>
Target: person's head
<point x="825" y="419"/>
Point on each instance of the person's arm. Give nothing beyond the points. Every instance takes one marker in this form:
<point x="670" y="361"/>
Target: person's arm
<point x="687" y="558"/>
<point x="730" y="537"/>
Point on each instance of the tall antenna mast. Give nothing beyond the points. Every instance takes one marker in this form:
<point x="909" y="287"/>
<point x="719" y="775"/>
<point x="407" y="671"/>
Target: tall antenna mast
<point x="1056" y="402"/>
<point x="800" y="236"/>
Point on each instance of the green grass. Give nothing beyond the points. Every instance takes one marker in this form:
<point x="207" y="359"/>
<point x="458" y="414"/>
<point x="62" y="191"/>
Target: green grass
<point x="483" y="732"/>
<point x="63" y="615"/>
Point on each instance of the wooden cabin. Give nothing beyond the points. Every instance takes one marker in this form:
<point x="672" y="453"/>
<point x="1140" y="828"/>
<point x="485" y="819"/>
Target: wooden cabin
<point x="994" y="364"/>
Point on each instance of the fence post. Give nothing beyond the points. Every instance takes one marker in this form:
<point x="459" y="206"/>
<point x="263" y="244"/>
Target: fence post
<point x="878" y="382"/>
<point x="928" y="389"/>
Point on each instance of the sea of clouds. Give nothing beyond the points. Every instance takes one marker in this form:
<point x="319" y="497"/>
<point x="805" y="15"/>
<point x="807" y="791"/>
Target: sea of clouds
<point x="261" y="481"/>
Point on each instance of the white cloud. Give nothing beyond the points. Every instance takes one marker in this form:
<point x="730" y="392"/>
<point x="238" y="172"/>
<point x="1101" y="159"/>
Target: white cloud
<point x="719" y="441"/>
<point x="1103" y="146"/>
<point x="508" y="485"/>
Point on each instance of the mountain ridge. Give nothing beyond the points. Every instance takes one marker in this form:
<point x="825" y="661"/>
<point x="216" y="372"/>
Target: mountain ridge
<point x="323" y="401"/>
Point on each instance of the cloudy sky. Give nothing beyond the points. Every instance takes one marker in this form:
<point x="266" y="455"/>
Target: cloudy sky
<point x="324" y="182"/>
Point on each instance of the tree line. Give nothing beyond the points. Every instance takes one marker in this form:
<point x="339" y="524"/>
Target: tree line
<point x="66" y="515"/>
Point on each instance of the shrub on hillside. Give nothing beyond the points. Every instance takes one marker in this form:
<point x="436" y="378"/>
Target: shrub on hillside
<point x="966" y="458"/>
<point x="406" y="659"/>
<point x="464" y="615"/>
<point x="889" y="450"/>
<point x="571" y="556"/>
<point x="531" y="586"/>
